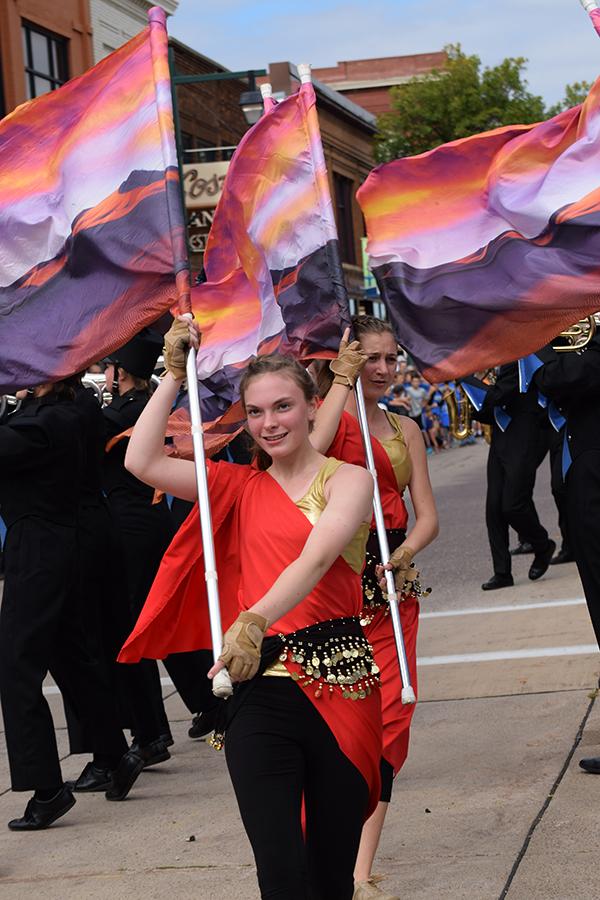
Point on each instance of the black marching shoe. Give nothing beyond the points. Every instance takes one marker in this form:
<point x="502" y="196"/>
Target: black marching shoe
<point x="42" y="813"/>
<point x="563" y="556"/>
<point x="591" y="765"/>
<point x="203" y="723"/>
<point x="132" y="764"/>
<point x="155" y="752"/>
<point x="522" y="549"/>
<point x="541" y="561"/>
<point x="497" y="581"/>
<point x="92" y="778"/>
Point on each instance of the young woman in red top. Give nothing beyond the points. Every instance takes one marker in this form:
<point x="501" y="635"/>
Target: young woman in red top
<point x="290" y="542"/>
<point x="400" y="461"/>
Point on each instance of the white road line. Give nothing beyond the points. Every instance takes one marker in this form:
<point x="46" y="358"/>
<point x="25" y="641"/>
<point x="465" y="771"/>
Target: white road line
<point x="515" y="607"/>
<point x="498" y="655"/>
<point x="491" y="656"/>
<point x="52" y="689"/>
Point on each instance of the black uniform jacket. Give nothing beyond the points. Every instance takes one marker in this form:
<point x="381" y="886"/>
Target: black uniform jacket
<point x="122" y="488"/>
<point x="40" y="462"/>
<point x="527" y="417"/>
<point x="572" y="381"/>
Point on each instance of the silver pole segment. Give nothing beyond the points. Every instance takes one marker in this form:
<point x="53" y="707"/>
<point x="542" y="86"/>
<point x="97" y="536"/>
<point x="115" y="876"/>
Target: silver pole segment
<point x="221" y="683"/>
<point x="408" y="694"/>
<point x="589" y="5"/>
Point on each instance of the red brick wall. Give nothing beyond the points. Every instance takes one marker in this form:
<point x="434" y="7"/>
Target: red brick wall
<point x="376" y="99"/>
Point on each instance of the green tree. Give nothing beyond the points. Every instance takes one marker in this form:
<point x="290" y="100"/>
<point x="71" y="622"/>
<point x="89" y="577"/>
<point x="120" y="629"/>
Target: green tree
<point x="574" y="95"/>
<point x="454" y="102"/>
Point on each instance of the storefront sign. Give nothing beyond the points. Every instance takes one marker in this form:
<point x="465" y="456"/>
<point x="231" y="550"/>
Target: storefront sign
<point x="199" y="224"/>
<point x="203" y="184"/>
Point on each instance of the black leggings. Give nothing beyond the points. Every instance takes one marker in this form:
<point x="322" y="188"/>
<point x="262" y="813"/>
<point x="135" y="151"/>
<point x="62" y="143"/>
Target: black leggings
<point x="387" y="780"/>
<point x="279" y="750"/>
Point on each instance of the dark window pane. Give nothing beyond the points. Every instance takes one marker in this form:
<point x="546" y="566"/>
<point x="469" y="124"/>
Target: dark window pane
<point x="54" y="55"/>
<point x="39" y="53"/>
<point x="343" y="191"/>
<point x="41" y="86"/>
<point x="61" y="72"/>
<point x="45" y="54"/>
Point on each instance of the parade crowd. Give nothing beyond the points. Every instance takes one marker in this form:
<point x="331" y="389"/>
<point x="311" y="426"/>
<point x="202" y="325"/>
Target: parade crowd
<point x="102" y="560"/>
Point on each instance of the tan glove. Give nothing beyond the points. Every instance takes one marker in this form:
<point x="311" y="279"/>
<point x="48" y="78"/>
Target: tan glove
<point x="241" y="646"/>
<point x="401" y="563"/>
<point x="349" y="363"/>
<point x="175" y="350"/>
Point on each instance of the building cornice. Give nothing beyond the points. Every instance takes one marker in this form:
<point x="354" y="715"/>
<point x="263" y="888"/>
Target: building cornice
<point x="369" y="83"/>
<point x="142" y="6"/>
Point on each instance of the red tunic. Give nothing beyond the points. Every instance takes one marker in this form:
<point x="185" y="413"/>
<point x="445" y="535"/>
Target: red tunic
<point x="348" y="446"/>
<point x="258" y="532"/>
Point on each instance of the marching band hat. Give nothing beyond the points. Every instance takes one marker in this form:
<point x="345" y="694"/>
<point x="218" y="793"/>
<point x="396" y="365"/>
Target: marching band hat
<point x="139" y="355"/>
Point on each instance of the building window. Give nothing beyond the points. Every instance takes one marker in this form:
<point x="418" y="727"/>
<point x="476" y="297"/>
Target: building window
<point x="343" y="189"/>
<point x="45" y="60"/>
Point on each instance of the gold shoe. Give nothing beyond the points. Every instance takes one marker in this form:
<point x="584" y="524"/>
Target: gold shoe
<point x="368" y="890"/>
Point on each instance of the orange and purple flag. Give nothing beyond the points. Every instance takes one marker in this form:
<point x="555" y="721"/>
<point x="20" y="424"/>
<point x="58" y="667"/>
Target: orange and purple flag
<point x="485" y="248"/>
<point x="93" y="242"/>
<point x="274" y="279"/>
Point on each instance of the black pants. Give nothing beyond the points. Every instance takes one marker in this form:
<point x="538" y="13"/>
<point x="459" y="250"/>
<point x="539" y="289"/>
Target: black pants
<point x="279" y="750"/>
<point x="147" y="532"/>
<point x="509" y="501"/>
<point x="583" y="516"/>
<point x="107" y="624"/>
<point x="40" y="631"/>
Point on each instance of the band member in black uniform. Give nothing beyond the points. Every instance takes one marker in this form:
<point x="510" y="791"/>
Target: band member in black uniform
<point x="146" y="526"/>
<point x="572" y="381"/>
<point x="40" y="620"/>
<point x="108" y="620"/>
<point x="519" y="443"/>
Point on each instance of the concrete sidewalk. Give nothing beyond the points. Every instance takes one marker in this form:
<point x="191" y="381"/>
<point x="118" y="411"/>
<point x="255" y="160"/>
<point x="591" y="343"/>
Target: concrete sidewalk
<point x="479" y="773"/>
<point x="490" y="804"/>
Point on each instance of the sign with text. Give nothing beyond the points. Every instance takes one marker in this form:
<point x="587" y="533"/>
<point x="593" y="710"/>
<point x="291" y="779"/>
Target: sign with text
<point x="203" y="184"/>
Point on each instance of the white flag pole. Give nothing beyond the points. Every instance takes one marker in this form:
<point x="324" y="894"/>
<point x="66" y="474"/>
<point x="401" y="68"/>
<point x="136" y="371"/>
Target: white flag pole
<point x="589" y="5"/>
<point x="408" y="694"/>
<point x="222" y="686"/>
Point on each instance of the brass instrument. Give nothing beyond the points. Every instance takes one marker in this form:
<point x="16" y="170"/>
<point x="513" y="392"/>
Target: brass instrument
<point x="578" y="335"/>
<point x="9" y="404"/>
<point x="97" y="382"/>
<point x="460" y="412"/>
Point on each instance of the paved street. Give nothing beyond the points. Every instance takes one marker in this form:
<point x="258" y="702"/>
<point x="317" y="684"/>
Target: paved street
<point x="491" y="803"/>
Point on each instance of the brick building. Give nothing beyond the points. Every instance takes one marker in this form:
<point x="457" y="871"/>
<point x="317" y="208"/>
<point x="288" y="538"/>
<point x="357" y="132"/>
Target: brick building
<point x="42" y="44"/>
<point x="367" y="82"/>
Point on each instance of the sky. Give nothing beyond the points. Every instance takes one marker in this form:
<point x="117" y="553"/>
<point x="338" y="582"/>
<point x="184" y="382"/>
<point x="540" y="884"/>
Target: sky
<point x="556" y="36"/>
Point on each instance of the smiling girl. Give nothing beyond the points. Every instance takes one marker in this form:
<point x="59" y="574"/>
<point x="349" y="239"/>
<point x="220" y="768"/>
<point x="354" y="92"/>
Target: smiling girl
<point x="292" y="529"/>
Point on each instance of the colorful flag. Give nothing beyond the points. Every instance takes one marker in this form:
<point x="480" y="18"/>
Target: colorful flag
<point x="487" y="247"/>
<point x="591" y="7"/>
<point x="274" y="279"/>
<point x="93" y="236"/>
